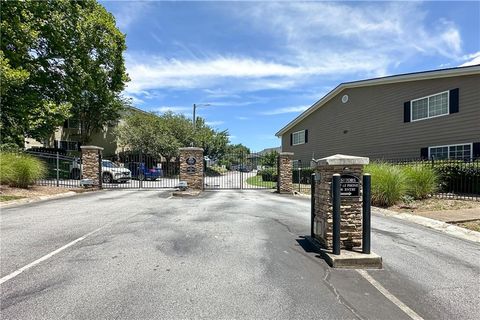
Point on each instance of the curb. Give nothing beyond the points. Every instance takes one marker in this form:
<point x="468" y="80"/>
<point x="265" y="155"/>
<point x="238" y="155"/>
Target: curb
<point x="20" y="202"/>
<point x="455" y="231"/>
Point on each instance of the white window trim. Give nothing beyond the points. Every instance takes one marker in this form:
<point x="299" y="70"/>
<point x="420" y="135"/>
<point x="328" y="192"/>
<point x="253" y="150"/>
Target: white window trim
<point x="452" y="145"/>
<point x="428" y="106"/>
<point x="296" y="144"/>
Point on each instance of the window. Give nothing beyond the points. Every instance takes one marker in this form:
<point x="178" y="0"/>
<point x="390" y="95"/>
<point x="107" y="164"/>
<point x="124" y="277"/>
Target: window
<point x="457" y="151"/>
<point x="298" y="137"/>
<point x="68" y="145"/>
<point x="71" y="123"/>
<point x="429" y="107"/>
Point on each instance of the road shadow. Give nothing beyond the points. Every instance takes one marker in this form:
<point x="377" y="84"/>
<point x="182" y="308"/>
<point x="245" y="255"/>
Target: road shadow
<point x="307" y="244"/>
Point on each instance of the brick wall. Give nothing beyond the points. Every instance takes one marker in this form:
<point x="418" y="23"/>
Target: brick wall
<point x="194" y="178"/>
<point x="285" y="165"/>
<point x="350" y="207"/>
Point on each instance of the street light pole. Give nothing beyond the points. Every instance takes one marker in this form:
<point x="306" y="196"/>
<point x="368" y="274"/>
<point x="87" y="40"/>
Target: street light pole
<point x="194" y="119"/>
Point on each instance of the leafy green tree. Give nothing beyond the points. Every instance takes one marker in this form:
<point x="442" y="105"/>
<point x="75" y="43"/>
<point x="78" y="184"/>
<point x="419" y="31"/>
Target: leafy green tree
<point x="269" y="159"/>
<point x="163" y="135"/>
<point x="59" y="59"/>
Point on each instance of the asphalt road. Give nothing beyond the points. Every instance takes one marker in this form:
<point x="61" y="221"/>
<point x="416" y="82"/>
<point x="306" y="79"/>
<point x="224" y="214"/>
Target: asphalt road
<point x="227" y="254"/>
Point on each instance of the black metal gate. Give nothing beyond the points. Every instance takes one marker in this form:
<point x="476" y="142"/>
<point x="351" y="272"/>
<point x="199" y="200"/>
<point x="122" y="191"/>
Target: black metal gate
<point x="241" y="171"/>
<point x="139" y="170"/>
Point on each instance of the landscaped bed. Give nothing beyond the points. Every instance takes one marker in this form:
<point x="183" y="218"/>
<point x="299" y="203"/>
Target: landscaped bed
<point x="34" y="192"/>
<point x="435" y="204"/>
<point x="463" y="213"/>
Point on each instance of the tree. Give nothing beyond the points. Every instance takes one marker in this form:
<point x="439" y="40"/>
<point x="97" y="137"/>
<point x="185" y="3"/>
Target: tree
<point x="59" y="59"/>
<point x="269" y="159"/>
<point x="163" y="135"/>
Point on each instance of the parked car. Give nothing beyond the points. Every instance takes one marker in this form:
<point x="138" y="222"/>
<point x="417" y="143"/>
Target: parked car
<point x="111" y="172"/>
<point x="244" y="168"/>
<point x="141" y="172"/>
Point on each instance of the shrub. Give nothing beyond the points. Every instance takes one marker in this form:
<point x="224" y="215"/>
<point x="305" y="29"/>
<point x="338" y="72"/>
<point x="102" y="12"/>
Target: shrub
<point x="268" y="174"/>
<point x="459" y="177"/>
<point x="6" y="167"/>
<point x="388" y="183"/>
<point x="20" y="170"/>
<point x="422" y="181"/>
<point x="214" y="171"/>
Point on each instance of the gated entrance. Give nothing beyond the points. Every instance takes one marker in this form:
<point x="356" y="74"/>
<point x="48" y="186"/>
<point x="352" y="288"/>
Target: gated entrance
<point x="138" y="170"/>
<point x="241" y="171"/>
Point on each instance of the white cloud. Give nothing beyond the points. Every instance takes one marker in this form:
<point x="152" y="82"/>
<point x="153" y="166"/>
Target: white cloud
<point x="294" y="109"/>
<point x="164" y="109"/>
<point x="472" y="59"/>
<point x="241" y="118"/>
<point x="127" y="12"/>
<point x="391" y="33"/>
<point x="312" y="41"/>
<point x="134" y="99"/>
<point x="214" y="123"/>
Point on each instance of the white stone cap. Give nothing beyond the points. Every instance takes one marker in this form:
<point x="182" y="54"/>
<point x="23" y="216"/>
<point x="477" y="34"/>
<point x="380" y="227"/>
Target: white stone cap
<point x="341" y="160"/>
<point x="91" y="148"/>
<point x="191" y="149"/>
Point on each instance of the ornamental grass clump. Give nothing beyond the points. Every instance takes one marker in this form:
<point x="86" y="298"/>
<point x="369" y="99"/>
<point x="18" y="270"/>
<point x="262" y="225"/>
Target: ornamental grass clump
<point x="422" y="181"/>
<point x="388" y="183"/>
<point x="20" y="170"/>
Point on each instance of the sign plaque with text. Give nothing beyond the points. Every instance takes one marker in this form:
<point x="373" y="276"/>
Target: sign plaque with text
<point x="349" y="186"/>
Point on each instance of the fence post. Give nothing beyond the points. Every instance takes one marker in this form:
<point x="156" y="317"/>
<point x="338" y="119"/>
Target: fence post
<point x="100" y="178"/>
<point x="312" y="206"/>
<point x="336" y="213"/>
<point x="140" y="175"/>
<point x="58" y="169"/>
<point x="366" y="214"/>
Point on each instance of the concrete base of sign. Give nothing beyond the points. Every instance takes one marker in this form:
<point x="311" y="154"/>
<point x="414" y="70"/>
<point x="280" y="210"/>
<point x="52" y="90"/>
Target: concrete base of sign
<point x="186" y="193"/>
<point x="352" y="260"/>
<point x="348" y="259"/>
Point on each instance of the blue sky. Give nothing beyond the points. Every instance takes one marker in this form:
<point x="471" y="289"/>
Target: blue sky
<point x="260" y="64"/>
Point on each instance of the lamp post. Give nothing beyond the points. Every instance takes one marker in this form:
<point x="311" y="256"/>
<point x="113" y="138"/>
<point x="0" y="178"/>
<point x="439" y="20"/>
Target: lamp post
<point x="194" y="119"/>
<point x="194" y="110"/>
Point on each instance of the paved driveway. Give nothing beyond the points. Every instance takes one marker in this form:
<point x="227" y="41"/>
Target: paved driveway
<point x="232" y="180"/>
<point x="228" y="254"/>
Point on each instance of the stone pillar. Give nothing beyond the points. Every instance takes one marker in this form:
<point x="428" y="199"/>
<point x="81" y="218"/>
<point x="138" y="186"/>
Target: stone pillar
<point x="349" y="167"/>
<point x="91" y="167"/>
<point x="285" y="165"/>
<point x="191" y="167"/>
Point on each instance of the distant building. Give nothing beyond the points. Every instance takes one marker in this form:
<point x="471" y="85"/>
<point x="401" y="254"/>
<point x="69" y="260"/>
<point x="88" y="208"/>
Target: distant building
<point x="67" y="137"/>
<point x="425" y="114"/>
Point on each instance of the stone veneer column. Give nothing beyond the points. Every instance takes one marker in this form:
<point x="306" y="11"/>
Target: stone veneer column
<point x="284" y="184"/>
<point x="192" y="173"/>
<point x="91" y="168"/>
<point x="350" y="208"/>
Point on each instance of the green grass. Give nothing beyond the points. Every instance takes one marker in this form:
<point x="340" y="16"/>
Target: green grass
<point x="258" y="182"/>
<point x="8" y="198"/>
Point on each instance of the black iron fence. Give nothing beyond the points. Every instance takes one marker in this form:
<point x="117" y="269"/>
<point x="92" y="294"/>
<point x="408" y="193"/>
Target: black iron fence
<point x="241" y="171"/>
<point x="301" y="177"/>
<point x="62" y="170"/>
<point x="457" y="179"/>
<point x="137" y="170"/>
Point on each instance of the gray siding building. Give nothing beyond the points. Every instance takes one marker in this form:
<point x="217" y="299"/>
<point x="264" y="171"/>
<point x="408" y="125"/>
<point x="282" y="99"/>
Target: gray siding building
<point x="427" y="114"/>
